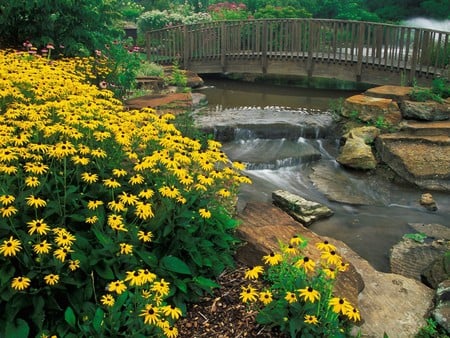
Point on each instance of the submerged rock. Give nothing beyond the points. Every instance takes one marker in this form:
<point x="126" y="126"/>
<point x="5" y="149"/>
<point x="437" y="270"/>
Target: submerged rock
<point x="428" y="202"/>
<point x="357" y="154"/>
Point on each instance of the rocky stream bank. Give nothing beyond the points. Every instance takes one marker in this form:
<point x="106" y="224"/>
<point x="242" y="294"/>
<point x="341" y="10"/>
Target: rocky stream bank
<point x="412" y="141"/>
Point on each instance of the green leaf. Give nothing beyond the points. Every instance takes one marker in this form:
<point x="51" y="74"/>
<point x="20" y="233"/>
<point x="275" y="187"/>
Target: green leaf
<point x="104" y="271"/>
<point x="181" y="285"/>
<point x="206" y="283"/>
<point x="19" y="328"/>
<point x="98" y="319"/>
<point x="69" y="316"/>
<point x="175" y="264"/>
<point x="38" y="311"/>
<point x="104" y="240"/>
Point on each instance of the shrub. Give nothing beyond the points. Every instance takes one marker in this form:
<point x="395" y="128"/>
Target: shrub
<point x="296" y="294"/>
<point x="107" y="217"/>
<point x="270" y="11"/>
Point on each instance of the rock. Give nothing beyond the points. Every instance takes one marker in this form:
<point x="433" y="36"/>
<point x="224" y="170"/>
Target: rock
<point x="437" y="272"/>
<point x="441" y="313"/>
<point x="396" y="93"/>
<point x="427" y="111"/>
<point x="357" y="154"/>
<point x="371" y="109"/>
<point x="172" y="102"/>
<point x="367" y="133"/>
<point x="264" y="225"/>
<point x="302" y="210"/>
<point x="389" y="304"/>
<point x="410" y="258"/>
<point x="436" y="231"/>
<point x="421" y="160"/>
<point x="193" y="80"/>
<point x="428" y="202"/>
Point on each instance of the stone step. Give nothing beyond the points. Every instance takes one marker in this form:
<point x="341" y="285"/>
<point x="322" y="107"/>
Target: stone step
<point x="408" y="137"/>
<point x="432" y="128"/>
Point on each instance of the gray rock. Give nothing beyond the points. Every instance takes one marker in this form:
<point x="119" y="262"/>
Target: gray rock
<point x="427" y="111"/>
<point x="357" y="154"/>
<point x="437" y="272"/>
<point x="441" y="313"/>
<point x="302" y="210"/>
<point x="367" y="133"/>
<point x="432" y="230"/>
<point x="428" y="202"/>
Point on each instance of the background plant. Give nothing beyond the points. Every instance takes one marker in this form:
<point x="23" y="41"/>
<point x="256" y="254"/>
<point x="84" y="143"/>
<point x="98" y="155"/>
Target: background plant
<point x="101" y="206"/>
<point x="297" y="295"/>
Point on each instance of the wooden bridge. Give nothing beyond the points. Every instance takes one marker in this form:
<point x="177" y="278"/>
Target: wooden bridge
<point x="346" y="50"/>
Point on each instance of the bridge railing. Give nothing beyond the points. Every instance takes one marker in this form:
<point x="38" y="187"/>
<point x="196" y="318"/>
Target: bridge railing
<point x="380" y="45"/>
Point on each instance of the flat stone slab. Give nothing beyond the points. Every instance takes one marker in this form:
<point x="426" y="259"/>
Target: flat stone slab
<point x="396" y="93"/>
<point x="435" y="128"/>
<point x="371" y="109"/>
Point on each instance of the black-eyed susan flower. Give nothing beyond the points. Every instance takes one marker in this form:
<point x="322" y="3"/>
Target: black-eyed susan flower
<point x="291" y="250"/>
<point x="128" y="199"/>
<point x="61" y="253"/>
<point x="238" y="165"/>
<point x="136" y="179"/>
<point x="145" y="236"/>
<point x="171" y="311"/>
<point x="10" y="247"/>
<point x="93" y="205"/>
<point x="151" y="314"/>
<point x="91" y="220"/>
<point x="325" y="246"/>
<point x="8" y="211"/>
<point x="254" y="272"/>
<point x="117" y="286"/>
<point x="296" y="240"/>
<point x="290" y="297"/>
<point x="38" y="226"/>
<point x="342" y="267"/>
<point x="116" y="206"/>
<point x="35" y="202"/>
<point x="64" y="238"/>
<point x="329" y="272"/>
<point x="248" y="294"/>
<point x="114" y="220"/>
<point x="224" y="192"/>
<point x="306" y="263"/>
<point x="111" y="183"/>
<point x="51" y="279"/>
<point x="331" y="257"/>
<point x="99" y="153"/>
<point x="204" y="213"/>
<point x="6" y="200"/>
<point x="134" y="278"/>
<point x="74" y="264"/>
<point x="42" y="247"/>
<point x="265" y="297"/>
<point x="353" y="314"/>
<point x="169" y="191"/>
<point x="146" y="193"/>
<point x="340" y="305"/>
<point x="119" y="172"/>
<point x="273" y="258"/>
<point x="144" y="210"/>
<point x="147" y="276"/>
<point x="126" y="249"/>
<point x="20" y="283"/>
<point x="32" y="181"/>
<point x="309" y="294"/>
<point x="89" y="178"/>
<point x="161" y="287"/>
<point x="107" y="300"/>
<point x="311" y="319"/>
<point x="170" y="332"/>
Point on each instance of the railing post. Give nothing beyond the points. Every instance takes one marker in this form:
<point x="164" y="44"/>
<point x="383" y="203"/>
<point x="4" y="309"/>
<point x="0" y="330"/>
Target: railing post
<point x="415" y="54"/>
<point x="309" y="64"/>
<point x="360" y="51"/>
<point x="264" y="46"/>
<point x="223" y="44"/>
<point x="185" y="48"/>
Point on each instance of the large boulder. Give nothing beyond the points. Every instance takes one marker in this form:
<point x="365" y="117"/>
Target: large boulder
<point x="357" y="154"/>
<point x="302" y="210"/>
<point x="367" y="133"/>
<point x="396" y="93"/>
<point x="441" y="312"/>
<point x="427" y="111"/>
<point x="372" y="109"/>
<point x="421" y="160"/>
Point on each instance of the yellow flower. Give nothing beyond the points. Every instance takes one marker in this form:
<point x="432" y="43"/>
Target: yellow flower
<point x="171" y="311"/>
<point x="99" y="153"/>
<point x="116" y="206"/>
<point x="32" y="181"/>
<point x="309" y="294"/>
<point x="170" y="192"/>
<point x="38" y="226"/>
<point x="311" y="319"/>
<point x="161" y="287"/>
<point x="340" y="305"/>
<point x="170" y="332"/>
<point x="254" y="272"/>
<point x="146" y="193"/>
<point x="20" y="283"/>
<point x="107" y="300"/>
<point x="224" y="192"/>
<point x="353" y="314"/>
<point x="331" y="257"/>
<point x="91" y="220"/>
<point x="136" y="179"/>
<point x="89" y="178"/>
<point x="119" y="172"/>
<point x="329" y="272"/>
<point x="114" y="220"/>
<point x="147" y="276"/>
<point x="238" y="165"/>
<point x="128" y="199"/>
<point x="291" y="250"/>
<point x="204" y="213"/>
<point x="10" y="247"/>
<point x="126" y="249"/>
<point x="74" y="264"/>
<point x="145" y="236"/>
<point x="273" y="258"/>
<point x="61" y="253"/>
<point x="7" y="199"/>
<point x="8" y="211"/>
<point x="248" y="294"/>
<point x="296" y="240"/>
<point x="343" y="266"/>
<point x="150" y="314"/>
<point x="265" y="297"/>
<point x="134" y="278"/>
<point x="35" y="202"/>
<point x="144" y="210"/>
<point x="325" y="246"/>
<point x="305" y="263"/>
<point x="51" y="279"/>
<point x="64" y="238"/>
<point x="42" y="247"/>
<point x="92" y="205"/>
<point x="117" y="286"/>
<point x="111" y="183"/>
<point x="291" y="297"/>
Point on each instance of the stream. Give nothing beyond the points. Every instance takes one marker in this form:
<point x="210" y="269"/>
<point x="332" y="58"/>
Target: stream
<point x="285" y="135"/>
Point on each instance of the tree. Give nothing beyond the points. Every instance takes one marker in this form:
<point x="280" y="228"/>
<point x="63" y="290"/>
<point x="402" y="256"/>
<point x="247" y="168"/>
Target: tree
<point x="81" y="26"/>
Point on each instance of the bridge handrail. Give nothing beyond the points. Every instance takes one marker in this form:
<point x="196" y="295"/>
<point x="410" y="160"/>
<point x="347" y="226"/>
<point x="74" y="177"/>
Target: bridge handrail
<point x="418" y="50"/>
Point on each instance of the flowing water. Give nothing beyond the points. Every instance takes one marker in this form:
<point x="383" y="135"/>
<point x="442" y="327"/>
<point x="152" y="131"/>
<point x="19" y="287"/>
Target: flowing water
<point x="285" y="135"/>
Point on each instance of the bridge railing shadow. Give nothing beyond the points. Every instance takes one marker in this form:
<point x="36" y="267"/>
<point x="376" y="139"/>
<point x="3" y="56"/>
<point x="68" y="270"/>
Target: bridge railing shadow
<point x="262" y="44"/>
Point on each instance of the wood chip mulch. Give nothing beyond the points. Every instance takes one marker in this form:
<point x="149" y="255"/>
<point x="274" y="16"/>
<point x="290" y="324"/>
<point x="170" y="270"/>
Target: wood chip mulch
<point x="222" y="314"/>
